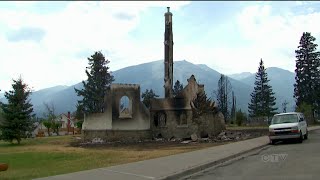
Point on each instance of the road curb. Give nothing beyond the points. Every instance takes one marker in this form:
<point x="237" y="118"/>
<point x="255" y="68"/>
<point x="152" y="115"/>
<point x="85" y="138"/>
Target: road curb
<point x="254" y="151"/>
<point x="195" y="169"/>
<point x="202" y="167"/>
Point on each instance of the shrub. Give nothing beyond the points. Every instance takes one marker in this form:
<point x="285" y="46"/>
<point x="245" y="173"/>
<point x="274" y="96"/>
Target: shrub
<point x="240" y="117"/>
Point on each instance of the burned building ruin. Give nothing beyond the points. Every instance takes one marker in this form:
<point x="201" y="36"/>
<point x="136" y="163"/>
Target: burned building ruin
<point x="127" y="118"/>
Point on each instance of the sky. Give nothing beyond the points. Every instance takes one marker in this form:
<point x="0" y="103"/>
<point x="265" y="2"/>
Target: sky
<point x="48" y="43"/>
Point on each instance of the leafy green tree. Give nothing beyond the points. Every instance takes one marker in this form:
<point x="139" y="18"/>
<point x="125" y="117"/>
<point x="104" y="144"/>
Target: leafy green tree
<point x="79" y="124"/>
<point x="99" y="80"/>
<point x="177" y="88"/>
<point x="223" y="96"/>
<point x="262" y="98"/>
<point x="51" y="121"/>
<point x="306" y="87"/>
<point x="55" y="126"/>
<point x="50" y="118"/>
<point x="147" y="96"/>
<point x="48" y="125"/>
<point x="17" y="113"/>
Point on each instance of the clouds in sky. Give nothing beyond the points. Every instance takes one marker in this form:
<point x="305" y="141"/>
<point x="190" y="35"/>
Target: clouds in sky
<point x="29" y="33"/>
<point x="48" y="43"/>
<point x="275" y="36"/>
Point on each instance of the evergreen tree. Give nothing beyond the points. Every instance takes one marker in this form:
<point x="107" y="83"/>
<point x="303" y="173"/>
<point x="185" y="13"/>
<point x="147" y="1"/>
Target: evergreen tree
<point x="223" y="95"/>
<point x="307" y="111"/>
<point x="306" y="88"/>
<point x="78" y="114"/>
<point x="262" y="98"/>
<point x="178" y="87"/>
<point x="18" y="117"/>
<point x="99" y="80"/>
<point x="1" y="117"/>
<point x="233" y="108"/>
<point x="202" y="104"/>
<point x="147" y="96"/>
<point x="0" y="108"/>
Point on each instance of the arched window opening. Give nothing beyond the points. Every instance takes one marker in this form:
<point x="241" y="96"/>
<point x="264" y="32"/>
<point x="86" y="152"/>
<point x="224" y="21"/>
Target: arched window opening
<point x="160" y="119"/>
<point x="125" y="107"/>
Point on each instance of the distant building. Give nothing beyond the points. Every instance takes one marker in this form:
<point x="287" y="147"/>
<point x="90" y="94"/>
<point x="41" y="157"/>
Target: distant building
<point x="64" y="119"/>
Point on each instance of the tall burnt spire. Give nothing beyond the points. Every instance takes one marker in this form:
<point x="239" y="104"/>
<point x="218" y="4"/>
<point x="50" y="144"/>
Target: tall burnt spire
<point x="168" y="55"/>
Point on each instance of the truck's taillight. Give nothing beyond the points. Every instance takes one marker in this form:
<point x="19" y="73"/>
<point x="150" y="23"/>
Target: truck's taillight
<point x="295" y="131"/>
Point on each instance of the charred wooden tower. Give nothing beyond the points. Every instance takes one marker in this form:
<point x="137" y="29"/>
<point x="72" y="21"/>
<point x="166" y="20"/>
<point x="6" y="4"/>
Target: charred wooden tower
<point x="168" y="55"/>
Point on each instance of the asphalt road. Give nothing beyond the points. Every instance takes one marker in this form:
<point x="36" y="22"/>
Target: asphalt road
<point x="289" y="160"/>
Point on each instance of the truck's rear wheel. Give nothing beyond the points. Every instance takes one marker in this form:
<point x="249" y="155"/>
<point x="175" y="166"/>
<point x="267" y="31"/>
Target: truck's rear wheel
<point x="300" y="139"/>
<point x="306" y="135"/>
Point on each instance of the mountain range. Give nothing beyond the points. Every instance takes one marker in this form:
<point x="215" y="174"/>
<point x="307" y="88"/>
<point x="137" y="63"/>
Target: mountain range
<point x="240" y="76"/>
<point x="150" y="76"/>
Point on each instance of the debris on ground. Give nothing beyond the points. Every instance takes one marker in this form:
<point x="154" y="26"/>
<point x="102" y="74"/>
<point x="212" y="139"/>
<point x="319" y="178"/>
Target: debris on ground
<point x="224" y="136"/>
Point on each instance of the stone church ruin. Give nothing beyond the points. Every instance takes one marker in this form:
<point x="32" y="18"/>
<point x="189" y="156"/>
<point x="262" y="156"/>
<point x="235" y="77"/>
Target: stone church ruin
<point x="126" y="118"/>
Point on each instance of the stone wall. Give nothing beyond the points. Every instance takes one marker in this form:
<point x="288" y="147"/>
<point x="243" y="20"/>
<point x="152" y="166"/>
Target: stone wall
<point x="139" y="121"/>
<point x="136" y="118"/>
<point x="209" y="124"/>
<point x="139" y="118"/>
<point x="97" y="121"/>
<point x="175" y="125"/>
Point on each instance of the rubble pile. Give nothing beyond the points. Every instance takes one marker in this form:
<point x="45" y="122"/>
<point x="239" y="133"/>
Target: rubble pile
<point x="224" y="136"/>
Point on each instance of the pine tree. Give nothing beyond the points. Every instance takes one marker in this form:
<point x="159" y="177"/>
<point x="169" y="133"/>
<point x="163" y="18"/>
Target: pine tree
<point x="18" y="117"/>
<point x="233" y="108"/>
<point x="99" y="80"/>
<point x="262" y="98"/>
<point x="1" y="116"/>
<point x="78" y="114"/>
<point x="223" y="96"/>
<point x="202" y="104"/>
<point x="147" y="96"/>
<point x="306" y="88"/>
<point x="178" y="87"/>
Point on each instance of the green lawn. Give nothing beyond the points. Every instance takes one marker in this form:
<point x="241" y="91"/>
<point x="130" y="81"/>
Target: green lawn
<point x="41" y="157"/>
